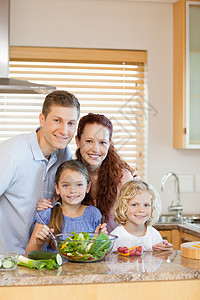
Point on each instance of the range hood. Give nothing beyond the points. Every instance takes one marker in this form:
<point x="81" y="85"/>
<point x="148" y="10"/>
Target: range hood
<point x="9" y="85"/>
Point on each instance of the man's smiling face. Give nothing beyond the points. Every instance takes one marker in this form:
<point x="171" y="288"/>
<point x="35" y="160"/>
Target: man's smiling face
<point x="57" y="129"/>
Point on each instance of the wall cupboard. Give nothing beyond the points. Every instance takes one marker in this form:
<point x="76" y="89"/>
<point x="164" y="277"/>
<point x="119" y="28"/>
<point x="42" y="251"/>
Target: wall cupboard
<point x="186" y="94"/>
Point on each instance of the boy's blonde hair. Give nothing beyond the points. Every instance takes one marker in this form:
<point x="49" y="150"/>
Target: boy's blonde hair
<point x="128" y="191"/>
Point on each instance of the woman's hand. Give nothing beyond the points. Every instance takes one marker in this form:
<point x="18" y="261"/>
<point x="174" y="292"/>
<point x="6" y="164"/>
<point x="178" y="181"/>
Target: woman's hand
<point x="44" y="203"/>
<point x="165" y="245"/>
<point x="101" y="228"/>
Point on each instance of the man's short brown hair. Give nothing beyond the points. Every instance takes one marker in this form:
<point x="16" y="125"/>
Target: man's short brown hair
<point x="60" y="98"/>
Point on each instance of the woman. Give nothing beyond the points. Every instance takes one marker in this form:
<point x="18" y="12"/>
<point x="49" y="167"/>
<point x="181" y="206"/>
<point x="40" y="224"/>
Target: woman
<point x="107" y="170"/>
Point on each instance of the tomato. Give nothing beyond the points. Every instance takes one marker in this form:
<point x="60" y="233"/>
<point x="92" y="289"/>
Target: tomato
<point x="137" y="253"/>
<point x="120" y="249"/>
<point x="125" y="249"/>
<point x="131" y="252"/>
<point x="139" y="248"/>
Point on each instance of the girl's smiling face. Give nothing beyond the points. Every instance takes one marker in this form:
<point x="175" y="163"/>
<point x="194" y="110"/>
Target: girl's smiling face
<point x="139" y="209"/>
<point x="72" y="187"/>
<point x="94" y="144"/>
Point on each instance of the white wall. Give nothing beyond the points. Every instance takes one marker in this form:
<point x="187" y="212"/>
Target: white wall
<point x="119" y="25"/>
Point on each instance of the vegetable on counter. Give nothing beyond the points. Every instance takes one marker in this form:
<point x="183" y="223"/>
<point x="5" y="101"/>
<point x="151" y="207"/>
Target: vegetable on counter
<point x="41" y="255"/>
<point x="81" y="247"/>
<point x="7" y="263"/>
<point x="48" y="264"/>
<point x="125" y="251"/>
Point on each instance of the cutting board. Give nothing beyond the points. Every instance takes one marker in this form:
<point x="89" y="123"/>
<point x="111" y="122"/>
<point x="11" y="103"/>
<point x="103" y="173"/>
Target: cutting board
<point x="191" y="250"/>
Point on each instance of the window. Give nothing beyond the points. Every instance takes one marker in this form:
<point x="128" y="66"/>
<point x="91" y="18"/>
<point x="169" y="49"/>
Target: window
<point x="111" y="82"/>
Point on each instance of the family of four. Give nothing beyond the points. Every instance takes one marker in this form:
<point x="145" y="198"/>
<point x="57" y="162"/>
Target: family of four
<point x="38" y="172"/>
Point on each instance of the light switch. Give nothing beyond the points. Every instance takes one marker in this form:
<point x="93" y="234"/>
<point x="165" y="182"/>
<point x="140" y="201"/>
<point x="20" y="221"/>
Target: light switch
<point x="197" y="183"/>
<point x="186" y="183"/>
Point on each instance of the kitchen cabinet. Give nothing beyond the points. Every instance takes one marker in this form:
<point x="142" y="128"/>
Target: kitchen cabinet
<point x="178" y="234"/>
<point x="179" y="290"/>
<point x="187" y="237"/>
<point x="166" y="235"/>
<point x="186" y="94"/>
<point x="173" y="237"/>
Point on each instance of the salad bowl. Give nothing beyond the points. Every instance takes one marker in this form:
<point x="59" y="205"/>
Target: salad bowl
<point x="84" y="246"/>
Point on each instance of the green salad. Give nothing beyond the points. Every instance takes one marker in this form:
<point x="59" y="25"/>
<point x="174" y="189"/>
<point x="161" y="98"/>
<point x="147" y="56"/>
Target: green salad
<point x="83" y="247"/>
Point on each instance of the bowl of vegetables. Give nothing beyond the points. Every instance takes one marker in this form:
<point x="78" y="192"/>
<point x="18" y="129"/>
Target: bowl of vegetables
<point x="8" y="261"/>
<point x="84" y="246"/>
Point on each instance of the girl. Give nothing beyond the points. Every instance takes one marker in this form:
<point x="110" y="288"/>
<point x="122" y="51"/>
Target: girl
<point x="137" y="208"/>
<point x="72" y="183"/>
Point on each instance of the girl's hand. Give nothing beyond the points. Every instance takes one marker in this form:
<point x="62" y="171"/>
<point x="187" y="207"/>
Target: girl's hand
<point x="165" y="245"/>
<point x="44" y="203"/>
<point x="42" y="234"/>
<point x="101" y="228"/>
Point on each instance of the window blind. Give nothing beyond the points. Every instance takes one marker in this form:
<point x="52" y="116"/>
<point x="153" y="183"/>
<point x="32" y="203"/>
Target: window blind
<point x="105" y="84"/>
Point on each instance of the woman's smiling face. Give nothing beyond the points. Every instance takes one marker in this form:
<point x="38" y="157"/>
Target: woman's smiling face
<point x="94" y="144"/>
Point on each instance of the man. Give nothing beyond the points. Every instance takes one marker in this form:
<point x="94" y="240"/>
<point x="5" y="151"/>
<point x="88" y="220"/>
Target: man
<point x="28" y="164"/>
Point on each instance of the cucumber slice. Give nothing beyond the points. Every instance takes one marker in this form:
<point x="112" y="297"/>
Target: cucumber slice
<point x="7" y="264"/>
<point x="59" y="259"/>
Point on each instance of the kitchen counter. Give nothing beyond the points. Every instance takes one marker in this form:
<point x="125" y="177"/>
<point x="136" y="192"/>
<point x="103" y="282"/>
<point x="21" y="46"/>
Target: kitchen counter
<point x="152" y="266"/>
<point x="155" y="275"/>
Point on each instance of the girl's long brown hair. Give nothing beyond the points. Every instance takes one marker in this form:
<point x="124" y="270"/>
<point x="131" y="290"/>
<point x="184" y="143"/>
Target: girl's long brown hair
<point x="111" y="170"/>
<point x="57" y="219"/>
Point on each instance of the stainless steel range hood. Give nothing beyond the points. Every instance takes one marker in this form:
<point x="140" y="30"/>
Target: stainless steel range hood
<point x="9" y="85"/>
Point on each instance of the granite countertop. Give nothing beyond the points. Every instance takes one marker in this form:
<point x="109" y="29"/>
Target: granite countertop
<point x="152" y="266"/>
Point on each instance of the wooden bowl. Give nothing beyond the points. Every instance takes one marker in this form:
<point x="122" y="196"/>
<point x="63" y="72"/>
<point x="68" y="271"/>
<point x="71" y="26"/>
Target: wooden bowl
<point x="191" y="250"/>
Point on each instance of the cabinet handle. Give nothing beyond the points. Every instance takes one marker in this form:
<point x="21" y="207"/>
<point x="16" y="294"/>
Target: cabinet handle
<point x="164" y="237"/>
<point x="184" y="240"/>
